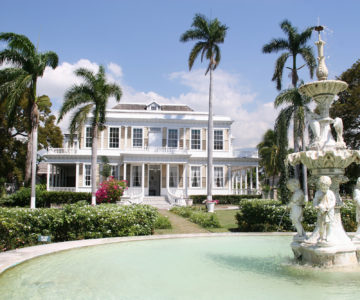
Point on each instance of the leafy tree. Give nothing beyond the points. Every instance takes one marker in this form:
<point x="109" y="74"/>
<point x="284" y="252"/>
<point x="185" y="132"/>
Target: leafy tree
<point x="20" y="80"/>
<point x="208" y="34"/>
<point x="268" y="153"/>
<point x="347" y="107"/>
<point x="89" y="97"/>
<point x="106" y="168"/>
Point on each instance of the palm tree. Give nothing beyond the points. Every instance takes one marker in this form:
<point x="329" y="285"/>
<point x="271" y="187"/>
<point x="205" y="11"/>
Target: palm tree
<point x="294" y="44"/>
<point x="208" y="34"/>
<point x="89" y="97"/>
<point x="296" y="108"/>
<point x="21" y="80"/>
<point x="268" y="153"/>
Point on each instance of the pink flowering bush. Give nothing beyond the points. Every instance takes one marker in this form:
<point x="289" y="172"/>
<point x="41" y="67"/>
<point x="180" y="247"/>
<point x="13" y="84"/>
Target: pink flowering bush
<point x="111" y="190"/>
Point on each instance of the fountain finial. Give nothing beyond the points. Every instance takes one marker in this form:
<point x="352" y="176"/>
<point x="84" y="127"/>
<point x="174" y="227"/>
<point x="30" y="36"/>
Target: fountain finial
<point x="321" y="71"/>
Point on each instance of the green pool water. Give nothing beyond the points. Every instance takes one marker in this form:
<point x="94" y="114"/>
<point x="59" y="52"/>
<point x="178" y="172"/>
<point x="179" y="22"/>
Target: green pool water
<point x="241" y="267"/>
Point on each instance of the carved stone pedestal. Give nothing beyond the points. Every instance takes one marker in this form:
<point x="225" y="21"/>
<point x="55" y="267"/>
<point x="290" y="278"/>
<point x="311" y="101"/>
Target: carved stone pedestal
<point x="321" y="256"/>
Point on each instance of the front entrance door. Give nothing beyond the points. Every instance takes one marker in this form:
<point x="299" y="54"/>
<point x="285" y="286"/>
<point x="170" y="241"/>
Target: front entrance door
<point x="154" y="180"/>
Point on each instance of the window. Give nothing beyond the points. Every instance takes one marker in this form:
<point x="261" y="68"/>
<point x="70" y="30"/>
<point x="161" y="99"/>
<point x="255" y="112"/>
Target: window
<point x="173" y="178"/>
<point x="218" y="176"/>
<point x="114" y="137"/>
<point x="137" y="137"/>
<point x="114" y="172"/>
<point x="195" y="177"/>
<point x="136" y="176"/>
<point x="87" y="175"/>
<point x="218" y="140"/>
<point x="88" y="137"/>
<point x="195" y="139"/>
<point x="172" y="138"/>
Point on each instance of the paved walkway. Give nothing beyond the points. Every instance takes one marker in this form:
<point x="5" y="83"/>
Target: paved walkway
<point x="179" y="225"/>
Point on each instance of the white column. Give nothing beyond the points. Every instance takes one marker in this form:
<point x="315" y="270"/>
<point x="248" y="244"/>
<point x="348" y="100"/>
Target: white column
<point x="125" y="172"/>
<point x="143" y="178"/>
<point x="186" y="184"/>
<point x="167" y="176"/>
<point x="52" y="175"/>
<point x="126" y="132"/>
<point x="237" y="182"/>
<point x="48" y="177"/>
<point x="246" y="181"/>
<point x="77" y="177"/>
<point x="257" y="179"/>
<point x="229" y="180"/>
<point x="251" y="179"/>
<point x="184" y="138"/>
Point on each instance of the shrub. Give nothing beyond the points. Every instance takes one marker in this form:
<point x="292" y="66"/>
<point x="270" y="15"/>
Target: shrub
<point x="198" y="216"/>
<point x="162" y="222"/>
<point x="271" y="215"/>
<point x="21" y="226"/>
<point x="110" y="190"/>
<point x="224" y="199"/>
<point x="43" y="198"/>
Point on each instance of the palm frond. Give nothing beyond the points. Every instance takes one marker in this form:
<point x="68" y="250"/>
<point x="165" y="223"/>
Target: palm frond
<point x="13" y="57"/>
<point x="279" y="68"/>
<point x="18" y="42"/>
<point x="195" y="53"/>
<point x="50" y="59"/>
<point x="308" y="56"/>
<point x="78" y="120"/>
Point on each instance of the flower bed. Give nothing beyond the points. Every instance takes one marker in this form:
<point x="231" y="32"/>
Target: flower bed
<point x="21" y="226"/>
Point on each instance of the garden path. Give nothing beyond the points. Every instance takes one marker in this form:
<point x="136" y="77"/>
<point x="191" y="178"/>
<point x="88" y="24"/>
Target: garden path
<point x="179" y="225"/>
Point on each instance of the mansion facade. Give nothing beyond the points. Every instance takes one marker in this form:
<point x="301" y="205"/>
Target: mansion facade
<point x="161" y="150"/>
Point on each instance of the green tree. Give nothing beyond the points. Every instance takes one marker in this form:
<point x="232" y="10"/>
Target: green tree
<point x="347" y="107"/>
<point x="106" y="168"/>
<point x="208" y="34"/>
<point x="268" y="153"/>
<point x="22" y="79"/>
<point x="89" y="97"/>
<point x="294" y="45"/>
<point x="295" y="107"/>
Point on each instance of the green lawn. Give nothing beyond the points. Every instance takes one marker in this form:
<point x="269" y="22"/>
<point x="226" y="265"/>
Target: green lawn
<point x="227" y="221"/>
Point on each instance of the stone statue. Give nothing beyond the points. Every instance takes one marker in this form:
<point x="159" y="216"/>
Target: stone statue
<point x="324" y="202"/>
<point x="338" y="126"/>
<point x="356" y="197"/>
<point x="296" y="205"/>
<point x="314" y="125"/>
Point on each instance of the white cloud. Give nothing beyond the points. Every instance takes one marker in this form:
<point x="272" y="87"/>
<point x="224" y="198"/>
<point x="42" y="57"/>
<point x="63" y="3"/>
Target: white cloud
<point x="230" y="96"/>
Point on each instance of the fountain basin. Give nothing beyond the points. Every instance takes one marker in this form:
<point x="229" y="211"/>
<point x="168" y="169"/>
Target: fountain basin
<point x="323" y="87"/>
<point x="235" y="267"/>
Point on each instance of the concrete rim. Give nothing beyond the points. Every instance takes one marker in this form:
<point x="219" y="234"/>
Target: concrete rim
<point x="12" y="258"/>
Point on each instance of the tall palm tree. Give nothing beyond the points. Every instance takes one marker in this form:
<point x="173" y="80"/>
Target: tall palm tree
<point x="296" y="108"/>
<point x="294" y="45"/>
<point x="21" y="79"/>
<point x="268" y="153"/>
<point x="89" y="97"/>
<point x="208" y="34"/>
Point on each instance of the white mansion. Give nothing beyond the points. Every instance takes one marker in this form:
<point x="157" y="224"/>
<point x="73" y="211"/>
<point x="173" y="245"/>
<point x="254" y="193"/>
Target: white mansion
<point x="160" y="150"/>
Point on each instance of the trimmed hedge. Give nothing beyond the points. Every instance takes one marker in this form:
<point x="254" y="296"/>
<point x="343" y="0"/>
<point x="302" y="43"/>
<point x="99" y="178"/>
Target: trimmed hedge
<point x="224" y="199"/>
<point x="272" y="215"/>
<point x="20" y="227"/>
<point x="43" y="198"/>
<point x="198" y="216"/>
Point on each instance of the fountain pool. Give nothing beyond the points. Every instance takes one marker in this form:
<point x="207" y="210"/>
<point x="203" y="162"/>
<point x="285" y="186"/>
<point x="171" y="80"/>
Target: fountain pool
<point x="236" y="267"/>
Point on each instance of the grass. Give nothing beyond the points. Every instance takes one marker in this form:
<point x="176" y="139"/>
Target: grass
<point x="227" y="221"/>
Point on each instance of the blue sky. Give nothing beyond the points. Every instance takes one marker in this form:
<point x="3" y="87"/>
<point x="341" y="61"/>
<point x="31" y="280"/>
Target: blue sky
<point x="138" y="42"/>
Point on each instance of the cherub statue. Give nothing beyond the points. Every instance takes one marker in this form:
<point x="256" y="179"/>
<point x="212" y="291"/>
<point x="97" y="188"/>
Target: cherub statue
<point x="296" y="205"/>
<point x="324" y="202"/>
<point x="314" y="125"/>
<point x="356" y="197"/>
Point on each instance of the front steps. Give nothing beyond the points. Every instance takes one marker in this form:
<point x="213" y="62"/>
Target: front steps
<point x="157" y="201"/>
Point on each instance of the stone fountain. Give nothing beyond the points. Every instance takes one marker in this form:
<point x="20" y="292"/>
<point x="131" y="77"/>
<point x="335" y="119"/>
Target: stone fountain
<point x="326" y="157"/>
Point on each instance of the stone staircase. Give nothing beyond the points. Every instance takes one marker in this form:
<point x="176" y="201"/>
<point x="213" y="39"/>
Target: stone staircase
<point x="156" y="201"/>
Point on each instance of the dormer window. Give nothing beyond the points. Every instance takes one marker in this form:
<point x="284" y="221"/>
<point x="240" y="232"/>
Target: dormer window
<point x="153" y="106"/>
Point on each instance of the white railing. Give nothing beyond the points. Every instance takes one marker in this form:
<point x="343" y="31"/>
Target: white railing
<point x="134" y="195"/>
<point x="246" y="153"/>
<point x="63" y="151"/>
<point x="158" y="150"/>
<point x="176" y="197"/>
<point x="62" y="189"/>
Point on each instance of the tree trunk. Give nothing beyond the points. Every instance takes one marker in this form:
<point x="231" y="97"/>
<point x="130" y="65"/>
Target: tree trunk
<point x="35" y="124"/>
<point x="93" y="164"/>
<point x="28" y="159"/>
<point x="210" y="142"/>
